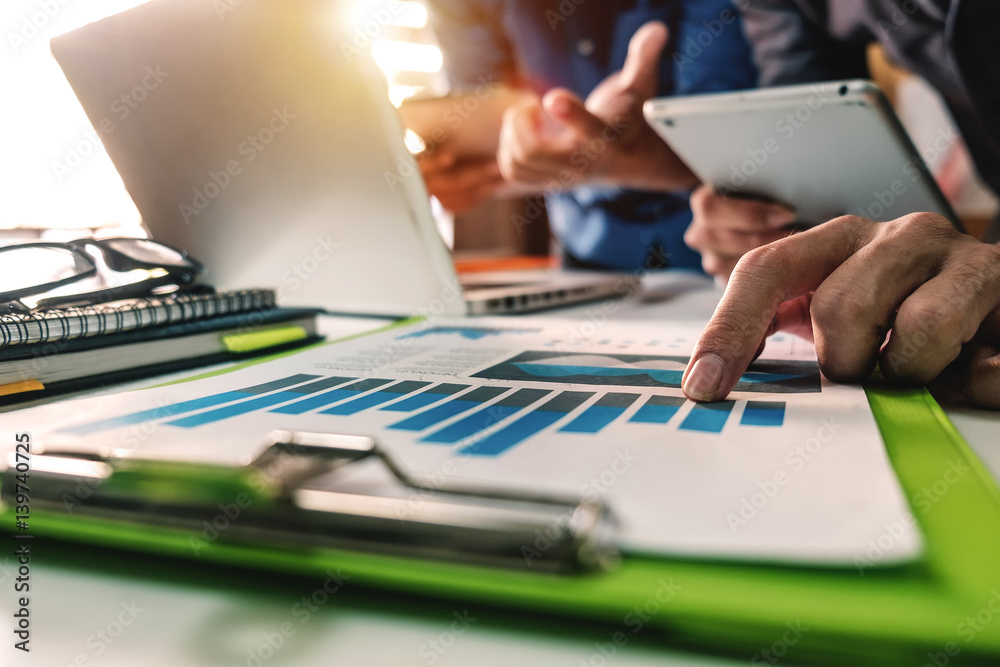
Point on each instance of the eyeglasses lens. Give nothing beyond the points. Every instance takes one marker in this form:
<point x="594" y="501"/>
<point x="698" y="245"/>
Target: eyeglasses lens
<point x="28" y="267"/>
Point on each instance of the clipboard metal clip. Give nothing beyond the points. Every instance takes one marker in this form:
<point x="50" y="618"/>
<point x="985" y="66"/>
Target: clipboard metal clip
<point x="327" y="491"/>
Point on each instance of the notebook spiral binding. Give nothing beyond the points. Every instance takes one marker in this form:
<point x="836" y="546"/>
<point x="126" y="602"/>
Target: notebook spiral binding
<point x="81" y="322"/>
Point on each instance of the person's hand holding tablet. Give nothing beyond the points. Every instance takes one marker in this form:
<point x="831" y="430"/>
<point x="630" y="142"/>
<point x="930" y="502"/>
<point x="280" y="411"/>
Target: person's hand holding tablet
<point x="723" y="228"/>
<point x="913" y="295"/>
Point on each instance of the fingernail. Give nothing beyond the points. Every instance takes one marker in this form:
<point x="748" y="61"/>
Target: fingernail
<point x="560" y="106"/>
<point x="780" y="217"/>
<point x="702" y="383"/>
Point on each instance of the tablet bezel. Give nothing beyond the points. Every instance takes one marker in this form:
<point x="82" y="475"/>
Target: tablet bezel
<point x="852" y="112"/>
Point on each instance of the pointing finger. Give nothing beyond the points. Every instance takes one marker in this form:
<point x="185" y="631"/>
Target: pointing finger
<point x="763" y="280"/>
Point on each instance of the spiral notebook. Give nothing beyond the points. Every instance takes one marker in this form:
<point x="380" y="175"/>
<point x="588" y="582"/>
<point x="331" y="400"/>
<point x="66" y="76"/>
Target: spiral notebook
<point x="70" y="349"/>
<point x="99" y="320"/>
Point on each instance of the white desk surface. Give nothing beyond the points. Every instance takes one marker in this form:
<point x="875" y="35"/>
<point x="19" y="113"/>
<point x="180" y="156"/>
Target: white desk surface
<point x="94" y="607"/>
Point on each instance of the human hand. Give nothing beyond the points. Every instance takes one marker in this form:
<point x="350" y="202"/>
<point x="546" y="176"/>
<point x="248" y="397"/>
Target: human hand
<point x="933" y="292"/>
<point x="561" y="141"/>
<point x="723" y="228"/>
<point x="460" y="184"/>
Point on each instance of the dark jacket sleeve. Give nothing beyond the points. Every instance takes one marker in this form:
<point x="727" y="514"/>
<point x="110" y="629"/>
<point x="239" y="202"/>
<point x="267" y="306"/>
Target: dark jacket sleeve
<point x="472" y="39"/>
<point x="791" y="43"/>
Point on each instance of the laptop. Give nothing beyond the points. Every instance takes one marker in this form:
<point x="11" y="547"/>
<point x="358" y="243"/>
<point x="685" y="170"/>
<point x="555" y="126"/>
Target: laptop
<point x="260" y="140"/>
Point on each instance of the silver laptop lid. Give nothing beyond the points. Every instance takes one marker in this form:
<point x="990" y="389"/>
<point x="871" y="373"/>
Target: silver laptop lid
<point x="253" y="140"/>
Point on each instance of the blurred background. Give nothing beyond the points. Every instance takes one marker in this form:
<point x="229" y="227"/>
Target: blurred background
<point x="55" y="174"/>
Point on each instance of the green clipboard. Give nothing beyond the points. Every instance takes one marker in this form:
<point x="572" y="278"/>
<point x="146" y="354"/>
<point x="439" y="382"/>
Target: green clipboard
<point x="944" y="609"/>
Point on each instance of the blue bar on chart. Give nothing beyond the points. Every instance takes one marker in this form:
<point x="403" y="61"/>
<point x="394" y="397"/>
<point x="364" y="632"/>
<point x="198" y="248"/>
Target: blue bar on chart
<point x="330" y="397"/>
<point x="265" y="401"/>
<point x="763" y="413"/>
<point x="423" y="399"/>
<point x="658" y="410"/>
<point x="708" y="417"/>
<point x="390" y="393"/>
<point x="609" y="408"/>
<point x="487" y="417"/>
<point x="452" y="408"/>
<point x="470" y="333"/>
<point x="537" y="420"/>
<point x="188" y="406"/>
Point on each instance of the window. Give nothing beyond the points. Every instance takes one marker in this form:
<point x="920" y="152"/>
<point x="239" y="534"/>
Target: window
<point x="54" y="172"/>
<point x="53" y="169"/>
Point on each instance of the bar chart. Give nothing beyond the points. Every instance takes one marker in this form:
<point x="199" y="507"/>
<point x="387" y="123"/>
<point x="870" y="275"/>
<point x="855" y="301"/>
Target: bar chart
<point x="183" y="407"/>
<point x="658" y="410"/>
<point x="483" y="420"/>
<point x="606" y="410"/>
<point x="530" y="424"/>
<point x="567" y="407"/>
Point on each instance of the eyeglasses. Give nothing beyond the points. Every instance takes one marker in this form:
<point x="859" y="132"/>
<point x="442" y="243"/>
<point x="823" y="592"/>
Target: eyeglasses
<point x="30" y="270"/>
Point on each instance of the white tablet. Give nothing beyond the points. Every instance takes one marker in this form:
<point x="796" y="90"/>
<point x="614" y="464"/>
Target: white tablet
<point x="823" y="149"/>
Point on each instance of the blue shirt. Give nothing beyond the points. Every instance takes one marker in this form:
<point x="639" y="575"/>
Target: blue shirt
<point x="543" y="44"/>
